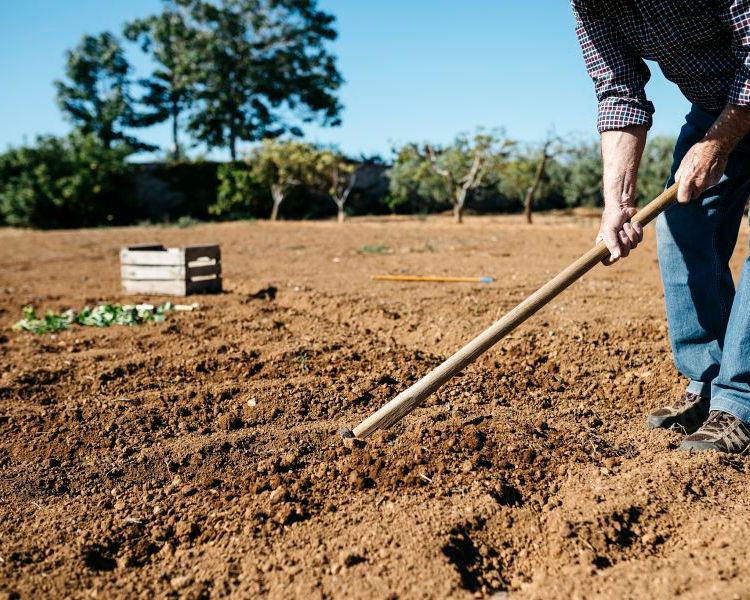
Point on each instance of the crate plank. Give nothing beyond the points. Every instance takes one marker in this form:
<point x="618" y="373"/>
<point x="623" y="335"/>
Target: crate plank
<point x="174" y="287"/>
<point x="171" y="256"/>
<point x="205" y="286"/>
<point x="200" y="269"/>
<point x="150" y="272"/>
<point x="206" y="251"/>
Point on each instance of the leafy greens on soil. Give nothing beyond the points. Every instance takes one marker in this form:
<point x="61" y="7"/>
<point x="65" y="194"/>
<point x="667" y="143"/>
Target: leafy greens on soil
<point x="102" y="315"/>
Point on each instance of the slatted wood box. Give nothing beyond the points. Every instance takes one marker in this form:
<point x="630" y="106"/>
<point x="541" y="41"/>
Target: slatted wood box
<point x="154" y="269"/>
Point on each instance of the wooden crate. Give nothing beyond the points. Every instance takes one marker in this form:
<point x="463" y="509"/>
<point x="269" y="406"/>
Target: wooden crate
<point x="154" y="269"/>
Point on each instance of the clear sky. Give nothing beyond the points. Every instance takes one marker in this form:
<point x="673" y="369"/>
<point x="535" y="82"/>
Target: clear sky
<point x="415" y="70"/>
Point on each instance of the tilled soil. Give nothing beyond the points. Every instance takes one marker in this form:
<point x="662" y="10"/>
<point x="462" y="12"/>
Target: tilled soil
<point x="198" y="457"/>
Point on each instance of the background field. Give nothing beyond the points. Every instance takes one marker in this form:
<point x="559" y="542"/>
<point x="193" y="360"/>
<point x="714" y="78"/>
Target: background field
<point x="198" y="457"/>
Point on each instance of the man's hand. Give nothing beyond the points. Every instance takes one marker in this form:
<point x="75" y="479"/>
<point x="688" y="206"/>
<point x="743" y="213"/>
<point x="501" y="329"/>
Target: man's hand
<point x="621" y="155"/>
<point x="704" y="164"/>
<point x="618" y="233"/>
<point x="701" y="168"/>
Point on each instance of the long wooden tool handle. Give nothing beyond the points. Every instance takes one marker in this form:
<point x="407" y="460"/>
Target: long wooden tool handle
<point x="409" y="399"/>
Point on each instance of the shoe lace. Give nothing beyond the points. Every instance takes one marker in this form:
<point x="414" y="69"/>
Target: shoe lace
<point x="717" y="422"/>
<point x="685" y="399"/>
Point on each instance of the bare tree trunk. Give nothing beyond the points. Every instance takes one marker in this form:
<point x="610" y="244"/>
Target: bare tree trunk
<point x="529" y="200"/>
<point x="341" y="197"/>
<point x="458" y="206"/>
<point x="278" y="197"/>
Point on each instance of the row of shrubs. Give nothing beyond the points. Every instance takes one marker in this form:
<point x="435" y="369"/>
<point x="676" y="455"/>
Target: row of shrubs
<point x="77" y="182"/>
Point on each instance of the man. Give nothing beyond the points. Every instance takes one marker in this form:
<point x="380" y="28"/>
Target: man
<point x="704" y="47"/>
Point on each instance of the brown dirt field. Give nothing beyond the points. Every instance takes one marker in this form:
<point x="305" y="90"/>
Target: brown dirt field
<point x="198" y="458"/>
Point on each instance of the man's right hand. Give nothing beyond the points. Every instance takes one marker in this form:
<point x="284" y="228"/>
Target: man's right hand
<point x="618" y="233"/>
<point x="621" y="155"/>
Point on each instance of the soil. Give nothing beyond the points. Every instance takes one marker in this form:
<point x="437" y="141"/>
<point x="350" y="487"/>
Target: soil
<point x="199" y="458"/>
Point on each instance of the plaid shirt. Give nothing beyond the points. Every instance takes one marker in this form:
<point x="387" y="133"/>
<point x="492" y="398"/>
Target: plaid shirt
<point x="701" y="45"/>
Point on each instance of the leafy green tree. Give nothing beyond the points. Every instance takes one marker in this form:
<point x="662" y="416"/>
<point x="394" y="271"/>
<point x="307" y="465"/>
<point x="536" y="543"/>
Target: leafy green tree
<point x="239" y="193"/>
<point x="451" y="173"/>
<point x="96" y="96"/>
<point x="582" y="184"/>
<point x="337" y="178"/>
<point x="65" y="182"/>
<point x="282" y="165"/>
<point x="532" y="173"/>
<point x="170" y="41"/>
<point x="264" y="69"/>
<point x="655" y="167"/>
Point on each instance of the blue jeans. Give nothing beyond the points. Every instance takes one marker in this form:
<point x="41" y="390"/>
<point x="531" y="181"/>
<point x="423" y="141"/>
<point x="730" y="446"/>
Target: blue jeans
<point x="709" y="322"/>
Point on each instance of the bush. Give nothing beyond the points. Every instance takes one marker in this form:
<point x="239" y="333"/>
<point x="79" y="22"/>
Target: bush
<point x="65" y="182"/>
<point x="239" y="195"/>
<point x="169" y="191"/>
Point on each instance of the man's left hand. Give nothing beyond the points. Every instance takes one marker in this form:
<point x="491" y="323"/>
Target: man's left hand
<point x="701" y="168"/>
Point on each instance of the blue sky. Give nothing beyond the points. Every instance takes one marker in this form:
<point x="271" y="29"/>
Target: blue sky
<point x="415" y="70"/>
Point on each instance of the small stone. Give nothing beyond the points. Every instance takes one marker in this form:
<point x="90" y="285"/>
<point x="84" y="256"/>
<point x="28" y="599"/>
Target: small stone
<point x="180" y="582"/>
<point x="120" y="505"/>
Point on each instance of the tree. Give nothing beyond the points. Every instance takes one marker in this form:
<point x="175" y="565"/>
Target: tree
<point x="583" y="175"/>
<point x="452" y="172"/>
<point x="551" y="146"/>
<point x="527" y="174"/>
<point x="338" y="177"/>
<point x="280" y="166"/>
<point x="65" y="182"/>
<point x="169" y="40"/>
<point x="96" y="96"/>
<point x="264" y="64"/>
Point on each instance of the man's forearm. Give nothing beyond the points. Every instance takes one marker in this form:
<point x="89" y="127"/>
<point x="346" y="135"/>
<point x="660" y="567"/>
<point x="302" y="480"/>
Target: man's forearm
<point x="730" y="127"/>
<point x="704" y="164"/>
<point x="621" y="155"/>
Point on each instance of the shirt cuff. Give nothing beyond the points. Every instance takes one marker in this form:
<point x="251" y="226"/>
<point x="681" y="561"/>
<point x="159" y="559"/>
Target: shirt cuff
<point x="739" y="91"/>
<point x="618" y="113"/>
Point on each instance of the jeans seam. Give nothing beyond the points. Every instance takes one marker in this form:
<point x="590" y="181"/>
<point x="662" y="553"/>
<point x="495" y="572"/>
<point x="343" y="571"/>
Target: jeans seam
<point x="717" y="265"/>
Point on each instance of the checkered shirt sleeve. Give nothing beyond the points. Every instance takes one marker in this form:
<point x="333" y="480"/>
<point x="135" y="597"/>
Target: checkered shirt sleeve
<point x="619" y="74"/>
<point x="738" y="19"/>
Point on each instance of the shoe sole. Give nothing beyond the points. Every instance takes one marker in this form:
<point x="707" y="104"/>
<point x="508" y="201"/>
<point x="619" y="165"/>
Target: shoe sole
<point x="691" y="446"/>
<point x="669" y="423"/>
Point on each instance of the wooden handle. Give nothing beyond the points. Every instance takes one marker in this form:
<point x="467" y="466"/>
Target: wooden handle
<point x="409" y="399"/>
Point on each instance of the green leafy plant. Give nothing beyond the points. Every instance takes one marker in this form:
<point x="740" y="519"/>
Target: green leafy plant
<point x="102" y="315"/>
<point x="374" y="249"/>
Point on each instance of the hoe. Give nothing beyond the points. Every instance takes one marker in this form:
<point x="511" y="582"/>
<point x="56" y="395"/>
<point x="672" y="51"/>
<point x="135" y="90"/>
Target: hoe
<point x="411" y="398"/>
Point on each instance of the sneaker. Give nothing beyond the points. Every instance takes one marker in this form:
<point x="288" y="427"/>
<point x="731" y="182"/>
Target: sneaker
<point x="686" y="414"/>
<point x="722" y="432"/>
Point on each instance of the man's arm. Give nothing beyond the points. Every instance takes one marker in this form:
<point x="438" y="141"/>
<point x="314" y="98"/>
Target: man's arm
<point x="704" y="164"/>
<point x="625" y="114"/>
<point x="621" y="154"/>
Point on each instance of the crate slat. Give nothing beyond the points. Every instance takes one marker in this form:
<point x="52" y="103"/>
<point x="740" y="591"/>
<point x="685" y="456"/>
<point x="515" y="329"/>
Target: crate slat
<point x="199" y="270"/>
<point x="173" y="287"/>
<point x="152" y="272"/>
<point x="170" y="256"/>
<point x="205" y="286"/>
<point x="193" y="253"/>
